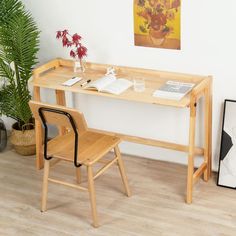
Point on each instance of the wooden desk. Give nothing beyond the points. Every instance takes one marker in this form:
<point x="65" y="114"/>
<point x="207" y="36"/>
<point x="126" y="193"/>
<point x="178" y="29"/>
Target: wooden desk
<point x="54" y="73"/>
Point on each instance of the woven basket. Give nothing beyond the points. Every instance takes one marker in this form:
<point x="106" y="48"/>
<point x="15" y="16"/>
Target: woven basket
<point x="23" y="141"/>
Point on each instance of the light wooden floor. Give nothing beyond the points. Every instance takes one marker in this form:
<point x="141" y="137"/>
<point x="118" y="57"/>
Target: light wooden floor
<point x="156" y="208"/>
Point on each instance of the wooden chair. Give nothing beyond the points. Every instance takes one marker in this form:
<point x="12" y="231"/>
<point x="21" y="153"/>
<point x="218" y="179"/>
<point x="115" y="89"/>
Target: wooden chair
<point x="78" y="145"/>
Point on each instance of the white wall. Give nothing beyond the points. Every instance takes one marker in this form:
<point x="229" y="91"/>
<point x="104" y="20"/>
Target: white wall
<point x="208" y="48"/>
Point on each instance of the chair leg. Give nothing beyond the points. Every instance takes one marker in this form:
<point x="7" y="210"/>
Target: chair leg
<point x="78" y="175"/>
<point x="122" y="171"/>
<point x="45" y="185"/>
<point x="92" y="196"/>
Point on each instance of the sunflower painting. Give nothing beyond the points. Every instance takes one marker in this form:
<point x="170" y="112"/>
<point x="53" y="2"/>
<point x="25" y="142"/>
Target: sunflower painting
<point x="157" y="23"/>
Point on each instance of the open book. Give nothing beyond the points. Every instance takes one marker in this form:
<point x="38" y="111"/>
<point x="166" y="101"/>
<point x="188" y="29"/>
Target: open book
<point x="173" y="90"/>
<point x="110" y="84"/>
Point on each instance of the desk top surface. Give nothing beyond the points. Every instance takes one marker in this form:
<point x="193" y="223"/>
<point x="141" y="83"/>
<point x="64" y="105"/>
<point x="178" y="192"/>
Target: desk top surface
<point x="52" y="74"/>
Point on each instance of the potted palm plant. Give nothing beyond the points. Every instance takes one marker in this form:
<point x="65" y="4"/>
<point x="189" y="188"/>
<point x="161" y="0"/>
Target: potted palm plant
<point x="19" y="44"/>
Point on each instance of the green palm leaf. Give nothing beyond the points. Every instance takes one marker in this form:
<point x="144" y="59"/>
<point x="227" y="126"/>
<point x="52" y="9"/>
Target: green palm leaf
<point x="19" y="44"/>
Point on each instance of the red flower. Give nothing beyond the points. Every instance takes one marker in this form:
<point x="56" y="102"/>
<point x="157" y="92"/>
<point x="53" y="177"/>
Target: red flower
<point x="64" y="32"/>
<point x="72" y="54"/>
<point x="146" y="14"/>
<point x="59" y="34"/>
<point x="82" y="52"/>
<point x="76" y="38"/>
<point x="157" y="21"/>
<point x="176" y="4"/>
<point x="72" y="41"/>
<point x="69" y="44"/>
<point x="153" y="3"/>
<point x="65" y="41"/>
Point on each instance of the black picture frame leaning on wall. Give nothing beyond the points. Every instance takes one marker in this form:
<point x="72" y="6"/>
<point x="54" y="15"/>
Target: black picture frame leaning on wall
<point x="227" y="161"/>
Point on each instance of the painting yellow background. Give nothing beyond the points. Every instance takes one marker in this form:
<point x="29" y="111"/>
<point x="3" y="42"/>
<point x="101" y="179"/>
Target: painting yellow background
<point x="174" y="24"/>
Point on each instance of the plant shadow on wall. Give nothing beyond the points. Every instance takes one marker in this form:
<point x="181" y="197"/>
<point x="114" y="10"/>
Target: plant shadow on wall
<point x="19" y="44"/>
<point x="157" y="23"/>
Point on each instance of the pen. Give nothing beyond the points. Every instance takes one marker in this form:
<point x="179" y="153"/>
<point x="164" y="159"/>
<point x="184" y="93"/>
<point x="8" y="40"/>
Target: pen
<point x="86" y="82"/>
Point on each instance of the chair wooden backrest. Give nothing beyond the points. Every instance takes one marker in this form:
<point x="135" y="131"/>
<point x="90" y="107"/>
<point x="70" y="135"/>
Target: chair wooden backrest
<point x="58" y="119"/>
<point x="62" y="117"/>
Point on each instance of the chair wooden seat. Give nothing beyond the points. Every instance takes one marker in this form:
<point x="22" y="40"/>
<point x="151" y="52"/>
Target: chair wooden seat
<point x="92" y="146"/>
<point x="80" y="145"/>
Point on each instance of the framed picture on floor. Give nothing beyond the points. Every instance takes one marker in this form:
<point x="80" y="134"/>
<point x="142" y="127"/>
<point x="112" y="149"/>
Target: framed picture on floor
<point x="227" y="162"/>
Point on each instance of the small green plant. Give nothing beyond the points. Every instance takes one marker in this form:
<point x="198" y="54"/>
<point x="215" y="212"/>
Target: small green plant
<point x="19" y="44"/>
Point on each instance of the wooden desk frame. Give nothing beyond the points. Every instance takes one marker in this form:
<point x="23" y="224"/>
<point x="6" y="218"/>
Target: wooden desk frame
<point x="203" y="88"/>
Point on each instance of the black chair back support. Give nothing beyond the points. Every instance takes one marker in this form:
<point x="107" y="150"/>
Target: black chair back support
<point x="41" y="111"/>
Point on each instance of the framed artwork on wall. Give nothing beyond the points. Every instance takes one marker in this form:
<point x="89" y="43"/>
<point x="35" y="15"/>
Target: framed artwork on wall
<point x="157" y="23"/>
<point x="227" y="162"/>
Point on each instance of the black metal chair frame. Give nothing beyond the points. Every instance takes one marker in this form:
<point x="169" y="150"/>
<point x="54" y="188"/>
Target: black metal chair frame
<point x="71" y="120"/>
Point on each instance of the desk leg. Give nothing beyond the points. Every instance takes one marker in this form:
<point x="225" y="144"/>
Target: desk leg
<point x="191" y="152"/>
<point x="210" y="130"/>
<point x="61" y="100"/>
<point x="208" y="133"/>
<point x="39" y="134"/>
